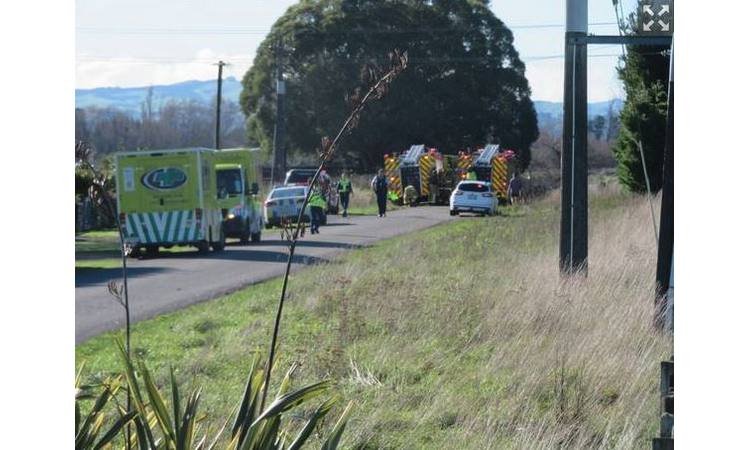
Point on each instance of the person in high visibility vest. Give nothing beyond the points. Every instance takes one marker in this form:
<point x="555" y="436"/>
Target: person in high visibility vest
<point x="317" y="209"/>
<point x="344" y="187"/>
<point x="471" y="175"/>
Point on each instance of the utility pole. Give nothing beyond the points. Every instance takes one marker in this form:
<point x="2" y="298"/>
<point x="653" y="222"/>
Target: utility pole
<point x="217" y="139"/>
<point x="574" y="167"/>
<point x="665" y="258"/>
<point x="279" y="151"/>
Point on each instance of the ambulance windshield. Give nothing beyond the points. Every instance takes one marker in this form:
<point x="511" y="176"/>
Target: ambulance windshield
<point x="228" y="181"/>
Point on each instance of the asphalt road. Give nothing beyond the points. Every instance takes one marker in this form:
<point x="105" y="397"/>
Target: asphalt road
<point x="176" y="280"/>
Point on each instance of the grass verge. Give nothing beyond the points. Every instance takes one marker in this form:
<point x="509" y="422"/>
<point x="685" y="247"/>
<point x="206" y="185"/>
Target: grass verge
<point x="460" y="336"/>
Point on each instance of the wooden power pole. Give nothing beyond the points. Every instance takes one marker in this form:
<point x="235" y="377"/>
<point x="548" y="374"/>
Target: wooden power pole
<point x="279" y="150"/>
<point x="217" y="137"/>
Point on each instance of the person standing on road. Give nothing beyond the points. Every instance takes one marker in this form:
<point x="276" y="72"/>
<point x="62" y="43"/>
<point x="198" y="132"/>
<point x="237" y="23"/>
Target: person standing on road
<point x="379" y="185"/>
<point x="344" y="187"/>
<point x="514" y="189"/>
<point x="317" y="210"/>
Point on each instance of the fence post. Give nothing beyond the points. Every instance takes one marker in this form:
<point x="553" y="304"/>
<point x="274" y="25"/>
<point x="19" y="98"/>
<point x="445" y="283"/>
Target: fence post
<point x="665" y="441"/>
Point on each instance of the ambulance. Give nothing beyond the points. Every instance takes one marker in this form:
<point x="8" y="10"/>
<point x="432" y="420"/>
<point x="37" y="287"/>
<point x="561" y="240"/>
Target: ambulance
<point x="237" y="189"/>
<point x="187" y="197"/>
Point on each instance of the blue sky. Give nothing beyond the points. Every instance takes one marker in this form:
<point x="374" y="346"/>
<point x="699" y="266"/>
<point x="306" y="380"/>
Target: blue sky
<point x="139" y="42"/>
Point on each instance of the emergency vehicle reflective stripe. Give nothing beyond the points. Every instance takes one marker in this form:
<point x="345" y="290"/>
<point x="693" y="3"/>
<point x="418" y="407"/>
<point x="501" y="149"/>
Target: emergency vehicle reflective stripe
<point x="391" y="173"/>
<point x="163" y="227"/>
<point x="426" y="163"/>
<point x="500" y="176"/>
<point x="464" y="162"/>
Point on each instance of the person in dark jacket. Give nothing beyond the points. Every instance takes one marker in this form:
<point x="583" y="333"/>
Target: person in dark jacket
<point x="514" y="189"/>
<point x="379" y="185"/>
<point x="344" y="187"/>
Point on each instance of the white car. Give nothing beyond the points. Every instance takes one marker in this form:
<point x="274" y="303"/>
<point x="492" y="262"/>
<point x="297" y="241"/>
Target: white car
<point x="284" y="203"/>
<point x="474" y="197"/>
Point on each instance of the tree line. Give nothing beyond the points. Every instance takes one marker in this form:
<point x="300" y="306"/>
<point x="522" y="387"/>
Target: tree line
<point x="175" y="124"/>
<point x="465" y="86"/>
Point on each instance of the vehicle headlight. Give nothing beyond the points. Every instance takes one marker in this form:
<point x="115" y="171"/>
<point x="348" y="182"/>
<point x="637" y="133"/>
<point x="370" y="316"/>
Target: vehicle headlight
<point x="230" y="216"/>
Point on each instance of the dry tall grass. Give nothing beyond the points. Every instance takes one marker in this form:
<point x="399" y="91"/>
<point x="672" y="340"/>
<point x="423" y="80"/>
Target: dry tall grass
<point x="467" y="337"/>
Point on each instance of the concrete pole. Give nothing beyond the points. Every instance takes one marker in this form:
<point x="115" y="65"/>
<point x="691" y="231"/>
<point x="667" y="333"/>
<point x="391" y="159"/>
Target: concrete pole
<point x="665" y="258"/>
<point x="574" y="164"/>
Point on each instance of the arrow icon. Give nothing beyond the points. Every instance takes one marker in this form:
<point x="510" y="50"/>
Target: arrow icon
<point x="647" y="9"/>
<point x="664" y="10"/>
<point x="664" y="26"/>
<point x="647" y="26"/>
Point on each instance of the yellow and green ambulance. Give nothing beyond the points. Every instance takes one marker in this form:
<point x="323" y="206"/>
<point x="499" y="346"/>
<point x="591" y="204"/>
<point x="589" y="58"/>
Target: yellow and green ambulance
<point x="237" y="189"/>
<point x="186" y="197"/>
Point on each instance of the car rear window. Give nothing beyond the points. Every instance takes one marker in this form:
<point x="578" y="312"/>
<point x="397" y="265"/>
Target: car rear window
<point x="473" y="187"/>
<point x="282" y="193"/>
<point x="300" y="176"/>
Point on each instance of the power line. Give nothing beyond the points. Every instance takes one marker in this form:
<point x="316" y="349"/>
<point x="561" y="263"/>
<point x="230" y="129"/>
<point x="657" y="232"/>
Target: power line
<point x="156" y="60"/>
<point x="243" y="31"/>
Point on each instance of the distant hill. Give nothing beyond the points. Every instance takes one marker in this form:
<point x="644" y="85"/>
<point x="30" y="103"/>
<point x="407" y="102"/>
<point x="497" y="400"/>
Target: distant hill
<point x="550" y="114"/>
<point x="130" y="99"/>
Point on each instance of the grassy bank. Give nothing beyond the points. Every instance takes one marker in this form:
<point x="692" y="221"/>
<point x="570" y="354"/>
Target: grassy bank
<point x="460" y="336"/>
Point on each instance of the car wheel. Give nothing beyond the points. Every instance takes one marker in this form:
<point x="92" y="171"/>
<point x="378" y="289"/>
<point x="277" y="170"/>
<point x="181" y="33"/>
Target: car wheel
<point x="453" y="212"/>
<point x="152" y="251"/>
<point x="245" y="235"/>
<point x="202" y="246"/>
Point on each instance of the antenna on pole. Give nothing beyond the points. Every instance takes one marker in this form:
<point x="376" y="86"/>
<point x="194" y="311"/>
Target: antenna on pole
<point x="217" y="137"/>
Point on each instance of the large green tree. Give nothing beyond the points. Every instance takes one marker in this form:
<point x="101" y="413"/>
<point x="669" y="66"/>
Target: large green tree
<point x="645" y="77"/>
<point x="465" y="84"/>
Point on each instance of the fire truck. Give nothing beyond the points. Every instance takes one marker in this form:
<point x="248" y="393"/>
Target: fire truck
<point x="432" y="174"/>
<point x="490" y="163"/>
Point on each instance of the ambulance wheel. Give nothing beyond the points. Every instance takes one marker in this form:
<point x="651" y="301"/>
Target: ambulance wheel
<point x="245" y="236"/>
<point x="255" y="237"/>
<point x="219" y="245"/>
<point x="152" y="251"/>
<point x="202" y="246"/>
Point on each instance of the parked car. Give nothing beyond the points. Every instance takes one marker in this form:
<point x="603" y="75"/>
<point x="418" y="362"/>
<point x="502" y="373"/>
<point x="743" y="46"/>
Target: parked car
<point x="473" y="197"/>
<point x="301" y="177"/>
<point x="284" y="203"/>
<point x="298" y="177"/>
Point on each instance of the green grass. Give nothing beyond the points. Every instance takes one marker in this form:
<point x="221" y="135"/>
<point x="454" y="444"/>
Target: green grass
<point x="97" y="241"/>
<point x="459" y="336"/>
<point x="97" y="263"/>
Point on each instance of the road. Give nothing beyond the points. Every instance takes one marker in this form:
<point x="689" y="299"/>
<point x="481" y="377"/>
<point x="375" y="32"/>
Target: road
<point x="176" y="280"/>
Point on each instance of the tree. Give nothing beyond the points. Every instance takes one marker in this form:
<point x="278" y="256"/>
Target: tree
<point x="613" y="122"/>
<point x="465" y="84"/>
<point x="596" y="125"/>
<point x="643" y="118"/>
